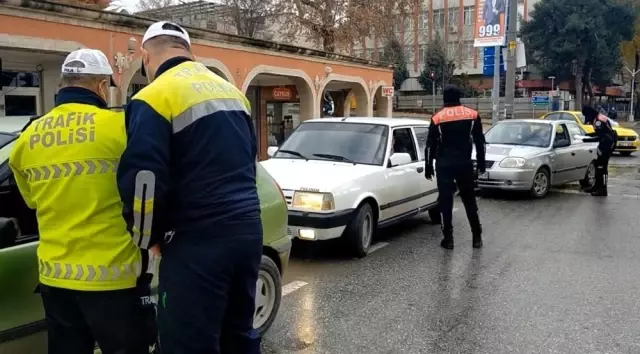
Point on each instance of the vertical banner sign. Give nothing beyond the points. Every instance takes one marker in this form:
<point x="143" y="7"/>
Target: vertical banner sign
<point x="490" y="23"/>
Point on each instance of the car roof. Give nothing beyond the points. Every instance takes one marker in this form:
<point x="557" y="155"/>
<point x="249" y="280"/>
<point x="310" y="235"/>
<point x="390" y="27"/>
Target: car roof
<point x="13" y="124"/>
<point x="539" y="121"/>
<point x="391" y="122"/>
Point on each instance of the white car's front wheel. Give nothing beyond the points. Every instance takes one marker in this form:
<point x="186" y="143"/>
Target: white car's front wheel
<point x="268" y="295"/>
<point x="360" y="231"/>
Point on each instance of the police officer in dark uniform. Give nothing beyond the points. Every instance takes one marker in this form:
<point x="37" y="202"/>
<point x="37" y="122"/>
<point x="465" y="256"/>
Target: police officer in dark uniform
<point x="606" y="143"/>
<point x="452" y="132"/>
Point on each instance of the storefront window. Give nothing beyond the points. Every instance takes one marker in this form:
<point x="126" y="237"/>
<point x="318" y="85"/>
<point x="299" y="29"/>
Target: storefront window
<point x="282" y="112"/>
<point x="20" y="105"/>
<point x="19" y="79"/>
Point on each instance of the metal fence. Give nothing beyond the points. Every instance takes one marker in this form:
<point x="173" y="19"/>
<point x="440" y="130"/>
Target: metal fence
<point x="523" y="108"/>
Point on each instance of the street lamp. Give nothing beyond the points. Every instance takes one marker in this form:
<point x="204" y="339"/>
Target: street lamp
<point x="552" y="78"/>
<point x="633" y="88"/>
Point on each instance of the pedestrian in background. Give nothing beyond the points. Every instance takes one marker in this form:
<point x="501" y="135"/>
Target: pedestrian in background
<point x="190" y="164"/>
<point x="64" y="164"/>
<point x="607" y="139"/>
<point x="452" y="133"/>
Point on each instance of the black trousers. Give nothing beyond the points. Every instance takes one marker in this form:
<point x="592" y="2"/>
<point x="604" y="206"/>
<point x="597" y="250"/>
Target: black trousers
<point x="76" y="320"/>
<point x="602" y="166"/>
<point x="448" y="176"/>
<point x="207" y="293"/>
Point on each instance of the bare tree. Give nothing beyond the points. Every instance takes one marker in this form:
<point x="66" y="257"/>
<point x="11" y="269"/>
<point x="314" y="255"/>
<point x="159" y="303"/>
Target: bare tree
<point x="146" y="5"/>
<point x="335" y="25"/>
<point x="248" y="16"/>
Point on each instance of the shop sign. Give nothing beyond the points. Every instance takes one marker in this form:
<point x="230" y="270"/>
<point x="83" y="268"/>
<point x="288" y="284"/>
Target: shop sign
<point x="387" y="91"/>
<point x="281" y="93"/>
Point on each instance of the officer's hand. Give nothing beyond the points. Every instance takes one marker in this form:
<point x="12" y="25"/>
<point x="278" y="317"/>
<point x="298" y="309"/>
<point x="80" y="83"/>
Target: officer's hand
<point x="428" y="172"/>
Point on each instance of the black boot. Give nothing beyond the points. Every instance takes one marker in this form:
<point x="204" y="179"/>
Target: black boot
<point x="477" y="237"/>
<point x="601" y="191"/>
<point x="447" y="241"/>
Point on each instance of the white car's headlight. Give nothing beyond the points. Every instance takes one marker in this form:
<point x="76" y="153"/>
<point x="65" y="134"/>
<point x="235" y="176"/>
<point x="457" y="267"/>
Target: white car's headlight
<point x="313" y="201"/>
<point x="513" y="162"/>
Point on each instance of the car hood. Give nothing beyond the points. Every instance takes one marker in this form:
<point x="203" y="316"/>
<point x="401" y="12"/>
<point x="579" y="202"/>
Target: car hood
<point x="624" y="131"/>
<point x="497" y="152"/>
<point x="325" y="176"/>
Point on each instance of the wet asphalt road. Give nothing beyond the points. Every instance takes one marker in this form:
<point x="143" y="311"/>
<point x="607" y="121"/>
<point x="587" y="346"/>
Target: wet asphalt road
<point x="551" y="278"/>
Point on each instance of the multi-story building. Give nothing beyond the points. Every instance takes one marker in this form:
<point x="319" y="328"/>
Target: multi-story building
<point x="453" y="21"/>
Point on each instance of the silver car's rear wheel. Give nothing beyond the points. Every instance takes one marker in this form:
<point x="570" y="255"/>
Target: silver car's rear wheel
<point x="541" y="183"/>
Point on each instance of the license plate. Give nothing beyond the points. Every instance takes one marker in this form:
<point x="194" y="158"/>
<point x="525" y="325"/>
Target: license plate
<point x="484" y="175"/>
<point x="625" y="143"/>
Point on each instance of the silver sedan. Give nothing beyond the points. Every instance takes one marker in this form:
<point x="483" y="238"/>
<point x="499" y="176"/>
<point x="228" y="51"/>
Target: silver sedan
<point x="534" y="155"/>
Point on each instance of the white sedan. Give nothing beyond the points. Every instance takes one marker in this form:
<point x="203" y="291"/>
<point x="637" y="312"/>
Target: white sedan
<point x="345" y="177"/>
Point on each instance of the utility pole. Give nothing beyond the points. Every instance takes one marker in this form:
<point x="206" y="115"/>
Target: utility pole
<point x="633" y="89"/>
<point x="495" y="92"/>
<point x="510" y="84"/>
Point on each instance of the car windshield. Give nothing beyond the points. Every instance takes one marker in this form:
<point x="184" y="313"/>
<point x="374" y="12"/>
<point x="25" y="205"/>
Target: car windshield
<point x="520" y="133"/>
<point x="337" y="141"/>
<point x="6" y="142"/>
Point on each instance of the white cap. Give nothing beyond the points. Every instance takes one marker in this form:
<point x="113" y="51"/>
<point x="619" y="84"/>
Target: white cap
<point x="87" y="61"/>
<point x="159" y="29"/>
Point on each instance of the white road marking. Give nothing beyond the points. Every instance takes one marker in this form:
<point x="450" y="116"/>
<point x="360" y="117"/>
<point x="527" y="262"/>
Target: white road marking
<point x="572" y="191"/>
<point x="455" y="209"/>
<point x="377" y="246"/>
<point x="293" y="286"/>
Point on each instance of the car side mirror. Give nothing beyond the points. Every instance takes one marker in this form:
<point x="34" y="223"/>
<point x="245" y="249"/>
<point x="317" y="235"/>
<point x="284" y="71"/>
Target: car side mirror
<point x="9" y="232"/>
<point x="590" y="139"/>
<point x="271" y="151"/>
<point x="561" y="143"/>
<point x="399" y="158"/>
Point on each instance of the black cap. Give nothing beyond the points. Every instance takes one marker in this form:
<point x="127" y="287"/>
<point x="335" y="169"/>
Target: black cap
<point x="451" y="94"/>
<point x="589" y="113"/>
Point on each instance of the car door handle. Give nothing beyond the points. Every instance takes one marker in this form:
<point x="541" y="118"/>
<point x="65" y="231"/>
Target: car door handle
<point x="420" y="169"/>
<point x="590" y="150"/>
<point x="573" y="154"/>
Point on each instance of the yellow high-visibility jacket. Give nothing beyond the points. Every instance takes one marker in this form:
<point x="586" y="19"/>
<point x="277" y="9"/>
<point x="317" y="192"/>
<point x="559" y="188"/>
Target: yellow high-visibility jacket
<point x="65" y="167"/>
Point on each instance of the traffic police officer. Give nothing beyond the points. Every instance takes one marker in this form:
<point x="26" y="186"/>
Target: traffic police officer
<point x="452" y="132"/>
<point x="190" y="164"/>
<point x="65" y="167"/>
<point x="607" y="139"/>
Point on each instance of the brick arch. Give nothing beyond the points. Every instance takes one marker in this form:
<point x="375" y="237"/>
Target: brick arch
<point x="358" y="88"/>
<point x="383" y="109"/>
<point x="303" y="83"/>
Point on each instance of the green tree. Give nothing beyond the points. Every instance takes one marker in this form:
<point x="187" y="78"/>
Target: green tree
<point x="393" y="53"/>
<point x="436" y="61"/>
<point x="578" y="40"/>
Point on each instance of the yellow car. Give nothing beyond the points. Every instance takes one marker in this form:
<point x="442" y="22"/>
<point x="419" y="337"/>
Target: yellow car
<point x="628" y="141"/>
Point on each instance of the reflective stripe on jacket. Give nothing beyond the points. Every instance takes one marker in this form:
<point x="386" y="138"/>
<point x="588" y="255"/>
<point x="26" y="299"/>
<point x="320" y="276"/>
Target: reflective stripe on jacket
<point x="191" y="131"/>
<point x="65" y="167"/>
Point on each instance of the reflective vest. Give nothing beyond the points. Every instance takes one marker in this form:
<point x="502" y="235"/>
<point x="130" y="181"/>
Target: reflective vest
<point x="190" y="130"/>
<point x="65" y="167"/>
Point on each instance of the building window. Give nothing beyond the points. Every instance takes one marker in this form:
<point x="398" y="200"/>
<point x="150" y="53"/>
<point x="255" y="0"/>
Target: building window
<point x="424" y="20"/>
<point x="408" y="24"/>
<point x="397" y="24"/>
<point x="408" y="53"/>
<point x="438" y="19"/>
<point x="468" y="50"/>
<point x="451" y="50"/>
<point x="469" y="12"/>
<point x="423" y="53"/>
<point x="370" y="53"/>
<point x="454" y="17"/>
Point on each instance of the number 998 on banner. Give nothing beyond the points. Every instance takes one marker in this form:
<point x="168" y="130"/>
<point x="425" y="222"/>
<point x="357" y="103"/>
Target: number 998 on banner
<point x="489" y="30"/>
